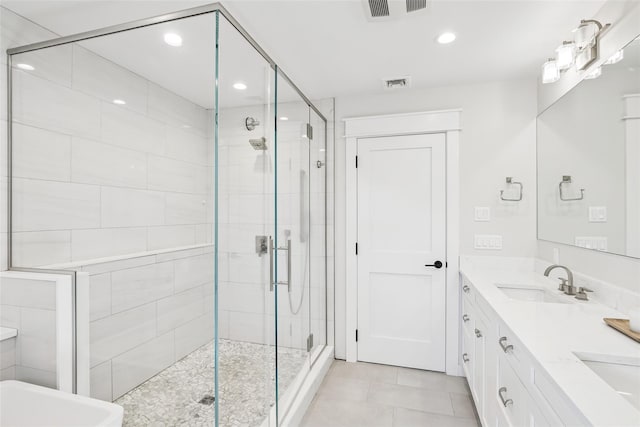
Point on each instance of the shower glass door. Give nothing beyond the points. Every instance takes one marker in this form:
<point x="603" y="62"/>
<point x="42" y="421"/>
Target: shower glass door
<point x="293" y="238"/>
<point x="245" y="159"/>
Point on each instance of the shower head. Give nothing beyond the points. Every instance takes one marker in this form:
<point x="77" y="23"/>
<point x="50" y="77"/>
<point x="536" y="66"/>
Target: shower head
<point x="259" y="144"/>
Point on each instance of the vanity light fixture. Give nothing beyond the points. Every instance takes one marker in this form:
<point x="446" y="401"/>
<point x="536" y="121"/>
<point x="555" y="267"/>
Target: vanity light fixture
<point x="119" y="102"/>
<point x="25" y="67"/>
<point x="446" y="38"/>
<point x="550" y="71"/>
<point x="615" y="58"/>
<point x="593" y="74"/>
<point x="565" y="55"/>
<point x="173" y="39"/>
<point x="239" y="86"/>
<point x="581" y="52"/>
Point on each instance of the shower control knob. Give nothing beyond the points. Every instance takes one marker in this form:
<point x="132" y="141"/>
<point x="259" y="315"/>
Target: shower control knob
<point x="437" y="264"/>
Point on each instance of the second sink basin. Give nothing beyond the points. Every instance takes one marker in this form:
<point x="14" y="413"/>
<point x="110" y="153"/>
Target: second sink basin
<point x="624" y="378"/>
<point x="531" y="293"/>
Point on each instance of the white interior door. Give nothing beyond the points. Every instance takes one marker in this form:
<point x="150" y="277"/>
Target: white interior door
<point x="401" y="230"/>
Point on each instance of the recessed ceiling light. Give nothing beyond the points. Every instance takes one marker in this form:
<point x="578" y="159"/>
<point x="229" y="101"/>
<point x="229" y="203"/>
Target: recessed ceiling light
<point x="26" y="67"/>
<point x="172" y="39"/>
<point x="283" y="118"/>
<point x="239" y="86"/>
<point x="445" y="38"/>
<point x="119" y="102"/>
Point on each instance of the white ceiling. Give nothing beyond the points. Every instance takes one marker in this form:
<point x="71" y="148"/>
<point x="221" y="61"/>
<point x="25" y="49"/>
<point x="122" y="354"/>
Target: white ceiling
<point x="327" y="47"/>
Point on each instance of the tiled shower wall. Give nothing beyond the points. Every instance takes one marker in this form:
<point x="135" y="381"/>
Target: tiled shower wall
<point x="146" y="313"/>
<point x="93" y="179"/>
<point x="29" y="305"/>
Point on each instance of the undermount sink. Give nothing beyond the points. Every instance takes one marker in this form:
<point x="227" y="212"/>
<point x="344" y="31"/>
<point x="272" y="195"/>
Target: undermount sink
<point x="623" y="377"/>
<point x="532" y="294"/>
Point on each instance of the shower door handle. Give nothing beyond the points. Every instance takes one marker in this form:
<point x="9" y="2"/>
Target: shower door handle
<point x="270" y="264"/>
<point x="280" y="282"/>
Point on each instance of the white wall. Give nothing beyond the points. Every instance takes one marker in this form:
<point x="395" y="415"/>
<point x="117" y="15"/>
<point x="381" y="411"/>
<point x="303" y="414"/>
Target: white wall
<point x="497" y="140"/>
<point x="619" y="270"/>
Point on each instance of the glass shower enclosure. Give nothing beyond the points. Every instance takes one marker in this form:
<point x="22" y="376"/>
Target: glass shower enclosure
<point x="179" y="175"/>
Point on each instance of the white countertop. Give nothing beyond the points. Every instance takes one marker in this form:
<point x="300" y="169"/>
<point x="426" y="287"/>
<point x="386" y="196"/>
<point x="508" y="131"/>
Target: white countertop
<point x="6" y="333"/>
<point x="552" y="333"/>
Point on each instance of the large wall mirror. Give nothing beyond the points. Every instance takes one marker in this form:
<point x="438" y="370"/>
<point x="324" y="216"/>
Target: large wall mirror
<point x="589" y="160"/>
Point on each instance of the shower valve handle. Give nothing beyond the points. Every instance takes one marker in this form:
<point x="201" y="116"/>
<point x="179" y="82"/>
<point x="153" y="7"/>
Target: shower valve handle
<point x="437" y="264"/>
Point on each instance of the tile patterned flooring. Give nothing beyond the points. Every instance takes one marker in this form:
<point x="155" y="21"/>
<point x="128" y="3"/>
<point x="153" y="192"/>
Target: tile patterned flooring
<point x="370" y="395"/>
<point x="180" y="395"/>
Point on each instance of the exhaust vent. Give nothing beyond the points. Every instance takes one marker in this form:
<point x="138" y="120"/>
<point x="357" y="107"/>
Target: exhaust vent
<point x="379" y="8"/>
<point x="384" y="10"/>
<point x="413" y="5"/>
<point x="397" y="83"/>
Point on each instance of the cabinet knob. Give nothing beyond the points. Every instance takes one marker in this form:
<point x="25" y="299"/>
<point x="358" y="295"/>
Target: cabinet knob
<point x="478" y="333"/>
<point x="465" y="318"/>
<point x="465" y="358"/>
<point x="466" y="289"/>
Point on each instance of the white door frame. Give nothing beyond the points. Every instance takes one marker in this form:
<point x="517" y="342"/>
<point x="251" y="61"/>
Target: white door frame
<point x="447" y="122"/>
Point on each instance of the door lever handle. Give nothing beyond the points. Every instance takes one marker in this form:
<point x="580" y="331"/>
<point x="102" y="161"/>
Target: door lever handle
<point x="437" y="264"/>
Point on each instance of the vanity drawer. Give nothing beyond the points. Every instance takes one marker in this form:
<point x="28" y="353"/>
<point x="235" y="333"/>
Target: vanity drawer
<point x="466" y="289"/>
<point x="510" y="396"/>
<point x="467" y="317"/>
<point x="513" y="352"/>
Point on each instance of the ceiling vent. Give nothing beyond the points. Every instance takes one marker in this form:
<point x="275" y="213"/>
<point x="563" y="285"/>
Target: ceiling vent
<point x="397" y="83"/>
<point x="384" y="10"/>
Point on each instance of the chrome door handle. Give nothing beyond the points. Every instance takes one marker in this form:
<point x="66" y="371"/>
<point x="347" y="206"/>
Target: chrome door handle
<point x="502" y="341"/>
<point x="465" y="318"/>
<point x="280" y="282"/>
<point x="465" y="358"/>
<point x="478" y="333"/>
<point x="270" y="264"/>
<point x="465" y="288"/>
<point x="505" y="402"/>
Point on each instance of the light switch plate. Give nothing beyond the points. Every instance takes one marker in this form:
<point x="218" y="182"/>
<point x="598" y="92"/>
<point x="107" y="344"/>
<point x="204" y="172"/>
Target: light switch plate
<point x="482" y="214"/>
<point x="491" y="242"/>
<point x="597" y="214"/>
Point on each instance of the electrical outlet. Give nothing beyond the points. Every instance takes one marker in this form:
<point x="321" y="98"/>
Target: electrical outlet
<point x="482" y="214"/>
<point x="597" y="214"/>
<point x="492" y="242"/>
<point x="592" y="242"/>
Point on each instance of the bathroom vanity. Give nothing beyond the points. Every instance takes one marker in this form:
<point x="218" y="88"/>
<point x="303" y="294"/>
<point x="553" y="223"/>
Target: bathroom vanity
<point x="534" y="356"/>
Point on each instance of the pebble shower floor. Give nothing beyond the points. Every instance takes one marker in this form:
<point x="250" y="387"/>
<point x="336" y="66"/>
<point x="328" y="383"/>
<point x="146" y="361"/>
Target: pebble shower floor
<point x="183" y="393"/>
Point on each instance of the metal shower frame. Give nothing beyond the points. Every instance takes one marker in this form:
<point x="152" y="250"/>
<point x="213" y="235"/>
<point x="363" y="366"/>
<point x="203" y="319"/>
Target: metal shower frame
<point x="114" y="29"/>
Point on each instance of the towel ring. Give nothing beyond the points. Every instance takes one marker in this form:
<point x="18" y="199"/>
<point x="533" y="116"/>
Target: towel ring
<point x="566" y="180"/>
<point x="509" y="180"/>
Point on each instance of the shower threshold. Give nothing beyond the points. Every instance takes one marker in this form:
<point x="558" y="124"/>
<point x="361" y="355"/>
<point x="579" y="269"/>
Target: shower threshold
<point x="183" y="394"/>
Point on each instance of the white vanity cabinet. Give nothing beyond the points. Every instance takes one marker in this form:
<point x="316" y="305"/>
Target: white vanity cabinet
<point x="500" y="373"/>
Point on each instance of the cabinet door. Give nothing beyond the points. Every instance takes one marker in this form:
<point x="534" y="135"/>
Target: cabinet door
<point x="479" y="335"/>
<point x="511" y="396"/>
<point x="468" y="344"/>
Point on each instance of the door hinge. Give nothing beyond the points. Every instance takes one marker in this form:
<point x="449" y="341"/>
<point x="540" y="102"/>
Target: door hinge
<point x="356" y="162"/>
<point x="356" y="335"/>
<point x="356" y="248"/>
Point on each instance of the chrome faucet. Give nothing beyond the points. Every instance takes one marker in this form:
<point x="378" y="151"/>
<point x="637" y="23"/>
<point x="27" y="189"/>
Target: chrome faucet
<point x="566" y="285"/>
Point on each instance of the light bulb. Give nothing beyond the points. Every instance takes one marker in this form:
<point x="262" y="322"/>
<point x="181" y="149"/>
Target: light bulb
<point x="565" y="55"/>
<point x="550" y="72"/>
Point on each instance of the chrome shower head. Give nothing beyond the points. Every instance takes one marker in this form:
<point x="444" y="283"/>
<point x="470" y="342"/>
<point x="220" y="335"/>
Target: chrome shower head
<point x="259" y="144"/>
